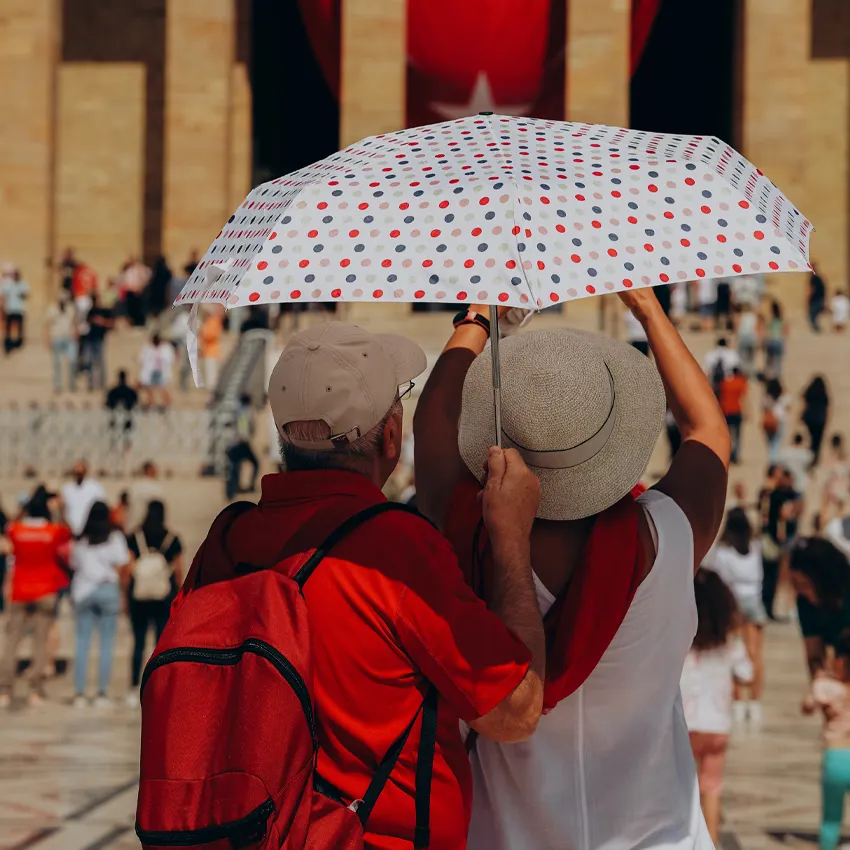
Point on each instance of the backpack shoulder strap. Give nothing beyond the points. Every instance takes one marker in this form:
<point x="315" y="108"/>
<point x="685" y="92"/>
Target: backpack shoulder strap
<point x="342" y="531"/>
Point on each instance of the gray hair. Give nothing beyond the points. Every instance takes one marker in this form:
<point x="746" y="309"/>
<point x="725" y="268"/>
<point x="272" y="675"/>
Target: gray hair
<point x="354" y="456"/>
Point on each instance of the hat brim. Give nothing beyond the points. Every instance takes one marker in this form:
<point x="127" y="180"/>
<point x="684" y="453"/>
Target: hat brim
<point x="407" y="357"/>
<point x="591" y="487"/>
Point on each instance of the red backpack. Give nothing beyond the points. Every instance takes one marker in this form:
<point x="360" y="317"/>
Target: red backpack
<point x="229" y="744"/>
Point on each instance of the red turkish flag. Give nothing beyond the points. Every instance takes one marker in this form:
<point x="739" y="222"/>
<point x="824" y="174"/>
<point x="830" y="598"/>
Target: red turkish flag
<point x="481" y="55"/>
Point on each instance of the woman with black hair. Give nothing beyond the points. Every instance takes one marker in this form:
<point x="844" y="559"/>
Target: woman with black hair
<point x="737" y="559"/>
<point x="99" y="560"/>
<point x="156" y="575"/>
<point x="815" y="413"/>
<point x="820" y="575"/>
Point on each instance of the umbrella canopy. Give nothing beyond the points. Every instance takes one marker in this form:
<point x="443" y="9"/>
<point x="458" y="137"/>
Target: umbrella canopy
<point x="502" y="210"/>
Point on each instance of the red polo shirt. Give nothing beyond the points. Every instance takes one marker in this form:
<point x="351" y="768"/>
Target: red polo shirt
<point x="390" y="611"/>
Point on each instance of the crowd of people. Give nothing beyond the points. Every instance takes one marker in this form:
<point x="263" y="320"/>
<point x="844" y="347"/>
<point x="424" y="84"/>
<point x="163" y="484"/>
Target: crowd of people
<point x="107" y="559"/>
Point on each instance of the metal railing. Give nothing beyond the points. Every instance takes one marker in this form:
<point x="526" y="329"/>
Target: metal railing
<point x="46" y="441"/>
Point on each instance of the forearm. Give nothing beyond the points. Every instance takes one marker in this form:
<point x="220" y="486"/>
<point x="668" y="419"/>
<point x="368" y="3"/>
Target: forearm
<point x="514" y="600"/>
<point x="689" y="394"/>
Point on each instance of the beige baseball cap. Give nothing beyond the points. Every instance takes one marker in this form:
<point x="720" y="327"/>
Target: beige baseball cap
<point x="341" y="375"/>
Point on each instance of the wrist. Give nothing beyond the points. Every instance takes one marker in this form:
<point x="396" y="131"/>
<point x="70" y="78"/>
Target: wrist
<point x="511" y="550"/>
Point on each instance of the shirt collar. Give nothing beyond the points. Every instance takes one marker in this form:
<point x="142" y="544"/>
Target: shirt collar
<point x="290" y="487"/>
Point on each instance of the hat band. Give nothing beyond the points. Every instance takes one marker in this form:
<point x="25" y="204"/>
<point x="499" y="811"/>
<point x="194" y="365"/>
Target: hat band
<point x="575" y="456"/>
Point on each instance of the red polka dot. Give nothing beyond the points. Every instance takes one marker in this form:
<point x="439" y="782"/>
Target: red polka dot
<point x="553" y="296"/>
<point x="612" y="252"/>
<point x="345" y="263"/>
<point x="705" y="209"/>
<point x="386" y="263"/>
<point x="254" y="296"/>
<point x="427" y="263"/>
<point x="304" y="263"/>
<point x="378" y="293"/>
<point x="363" y="206"/>
<point x="700" y="272"/>
<point x="322" y="206"/>
<point x="632" y="220"/>
<point x="476" y="231"/>
<point x="597" y="224"/>
<point x="313" y="234"/>
<point x="510" y="264"/>
<point x="419" y="294"/>
<point x="515" y="230"/>
<point x="590" y="290"/>
<point x="634" y="167"/>
<point x="758" y="234"/>
<point x="262" y="265"/>
<point x="721" y="237"/>
<point x="435" y="233"/>
<point x="736" y="268"/>
<point x="773" y="265"/>
<point x="668" y="214"/>
<point x="335" y="293"/>
<point x="503" y="296"/>
<point x="461" y="296"/>
<point x="744" y="205"/>
<point x="627" y="283"/>
<point x="652" y="187"/>
<point x="273" y="235"/>
<point x="648" y="247"/>
<point x="616" y="194"/>
<point x="296" y="293"/>
<point x="575" y="258"/>
<point x="560" y="228"/>
<point x="404" y="206"/>
<point x="541" y="265"/>
<point x="443" y="204"/>
<point x="484" y="201"/>
<point x="544" y="200"/>
<point x="353" y="233"/>
<point x="468" y="263"/>
<point x="395" y="234"/>
<point x="686" y="243"/>
<point x="663" y="278"/>
<point x="580" y="198"/>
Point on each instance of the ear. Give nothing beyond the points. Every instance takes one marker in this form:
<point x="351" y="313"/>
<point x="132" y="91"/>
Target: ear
<point x="392" y="438"/>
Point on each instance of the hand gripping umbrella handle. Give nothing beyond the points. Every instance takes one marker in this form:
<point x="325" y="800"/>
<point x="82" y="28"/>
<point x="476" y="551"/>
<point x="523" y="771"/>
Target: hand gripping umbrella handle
<point x="497" y="373"/>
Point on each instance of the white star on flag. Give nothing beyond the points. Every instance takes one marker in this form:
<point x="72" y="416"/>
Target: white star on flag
<point x="480" y="100"/>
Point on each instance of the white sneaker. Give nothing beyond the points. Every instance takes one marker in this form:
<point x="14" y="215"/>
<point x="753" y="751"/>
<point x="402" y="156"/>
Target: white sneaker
<point x="102" y="701"/>
<point x="80" y="701"/>
<point x="754" y="713"/>
<point x="5" y="701"/>
<point x="739" y="712"/>
<point x="132" y="700"/>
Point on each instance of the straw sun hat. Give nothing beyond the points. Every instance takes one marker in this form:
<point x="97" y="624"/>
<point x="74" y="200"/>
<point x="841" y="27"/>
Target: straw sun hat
<point x="583" y="410"/>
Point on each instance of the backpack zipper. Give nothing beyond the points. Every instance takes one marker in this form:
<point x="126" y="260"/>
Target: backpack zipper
<point x="243" y="832"/>
<point x="229" y="657"/>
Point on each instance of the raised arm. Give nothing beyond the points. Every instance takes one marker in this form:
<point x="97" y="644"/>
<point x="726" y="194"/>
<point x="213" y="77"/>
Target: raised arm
<point x="697" y="478"/>
<point x="437" y="459"/>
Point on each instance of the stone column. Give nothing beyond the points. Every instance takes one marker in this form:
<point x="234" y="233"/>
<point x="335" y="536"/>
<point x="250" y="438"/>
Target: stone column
<point x="596" y="89"/>
<point x="774" y="106"/>
<point x="241" y="148"/>
<point x="200" y="45"/>
<point x="29" y="49"/>
<point x="372" y="95"/>
<point x="100" y="162"/>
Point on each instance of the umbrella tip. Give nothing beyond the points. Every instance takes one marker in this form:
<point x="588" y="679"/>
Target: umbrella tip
<point x="485" y="113"/>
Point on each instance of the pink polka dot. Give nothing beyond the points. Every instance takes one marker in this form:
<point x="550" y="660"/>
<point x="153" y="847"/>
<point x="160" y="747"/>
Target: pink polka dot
<point x="274" y="294"/>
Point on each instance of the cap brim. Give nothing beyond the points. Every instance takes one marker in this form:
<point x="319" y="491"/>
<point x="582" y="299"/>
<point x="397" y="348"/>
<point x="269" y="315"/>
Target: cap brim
<point x="407" y="357"/>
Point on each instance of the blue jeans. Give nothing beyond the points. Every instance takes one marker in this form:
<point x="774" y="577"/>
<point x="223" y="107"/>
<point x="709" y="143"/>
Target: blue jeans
<point x="100" y="609"/>
<point x="64" y="350"/>
<point x="835" y="783"/>
<point x="96" y="360"/>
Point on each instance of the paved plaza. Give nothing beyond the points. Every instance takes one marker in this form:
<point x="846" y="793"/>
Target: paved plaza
<point x="68" y="776"/>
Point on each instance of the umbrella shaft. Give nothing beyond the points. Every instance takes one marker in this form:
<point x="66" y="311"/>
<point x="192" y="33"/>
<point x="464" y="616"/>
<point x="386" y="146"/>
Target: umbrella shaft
<point x="497" y="373"/>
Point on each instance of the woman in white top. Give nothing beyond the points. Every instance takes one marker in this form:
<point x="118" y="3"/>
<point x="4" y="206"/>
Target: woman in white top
<point x="737" y="560"/>
<point x="610" y="765"/>
<point x="100" y="561"/>
<point x="715" y="664"/>
<point x="774" y="416"/>
<point x="749" y="331"/>
<point x="61" y="331"/>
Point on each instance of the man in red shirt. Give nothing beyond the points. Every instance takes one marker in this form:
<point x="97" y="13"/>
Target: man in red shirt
<point x="390" y="611"/>
<point x="35" y="542"/>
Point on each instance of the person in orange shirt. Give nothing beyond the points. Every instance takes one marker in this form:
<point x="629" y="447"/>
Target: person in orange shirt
<point x="210" y="343"/>
<point x="733" y="392"/>
<point x="37" y="544"/>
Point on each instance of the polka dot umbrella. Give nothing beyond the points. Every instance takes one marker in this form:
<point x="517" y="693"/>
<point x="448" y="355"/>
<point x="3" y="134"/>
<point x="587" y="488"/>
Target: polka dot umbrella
<point x="502" y="210"/>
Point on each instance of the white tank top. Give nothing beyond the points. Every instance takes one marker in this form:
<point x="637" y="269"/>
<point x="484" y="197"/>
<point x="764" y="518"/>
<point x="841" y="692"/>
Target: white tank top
<point x="610" y="767"/>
